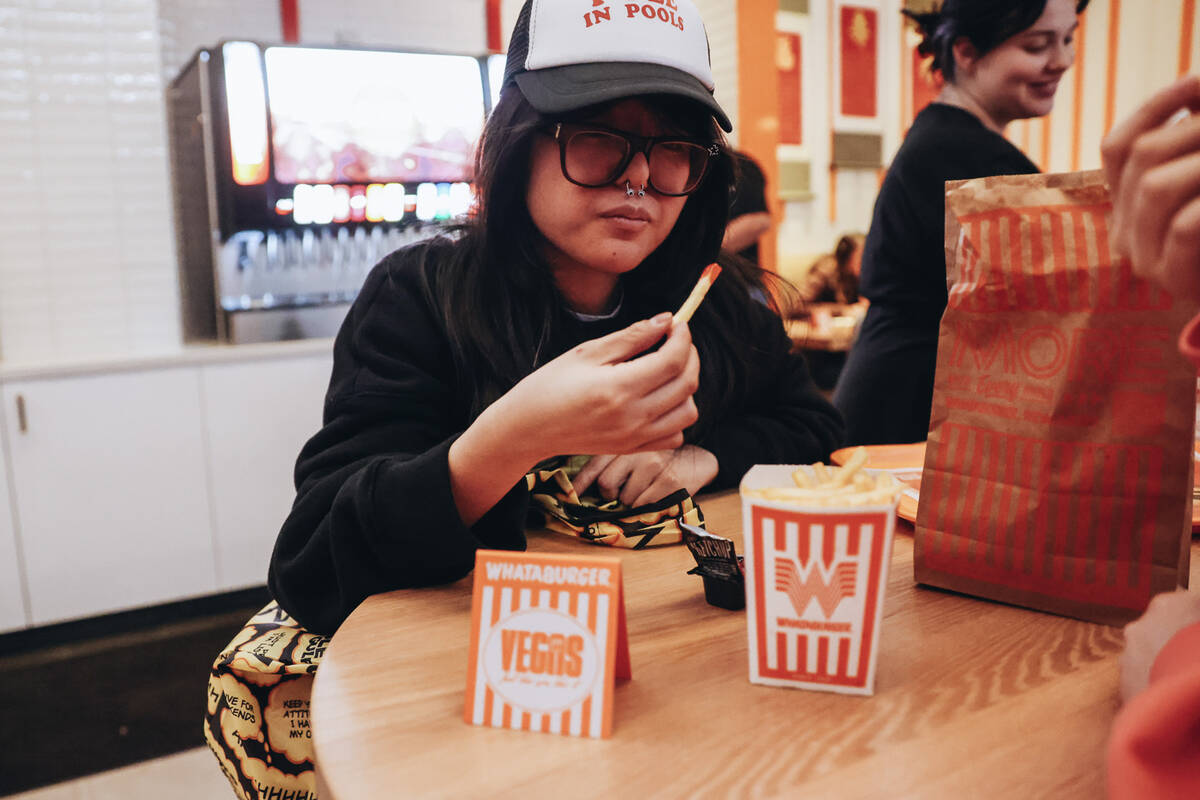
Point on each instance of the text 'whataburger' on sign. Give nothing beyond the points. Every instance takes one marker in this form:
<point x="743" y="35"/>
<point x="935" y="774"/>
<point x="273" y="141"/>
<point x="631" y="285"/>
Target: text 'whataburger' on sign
<point x="548" y="573"/>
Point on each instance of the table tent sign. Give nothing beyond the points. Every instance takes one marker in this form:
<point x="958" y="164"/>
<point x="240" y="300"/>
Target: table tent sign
<point x="548" y="642"/>
<point x="815" y="584"/>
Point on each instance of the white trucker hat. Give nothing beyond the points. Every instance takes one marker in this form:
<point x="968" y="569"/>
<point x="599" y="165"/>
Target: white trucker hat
<point x="568" y="54"/>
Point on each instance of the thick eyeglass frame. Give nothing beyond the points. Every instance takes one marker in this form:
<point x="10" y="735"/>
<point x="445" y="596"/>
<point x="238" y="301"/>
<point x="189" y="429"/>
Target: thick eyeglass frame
<point x="637" y="144"/>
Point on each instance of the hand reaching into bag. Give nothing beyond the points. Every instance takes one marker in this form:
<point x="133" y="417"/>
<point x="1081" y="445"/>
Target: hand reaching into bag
<point x="1153" y="171"/>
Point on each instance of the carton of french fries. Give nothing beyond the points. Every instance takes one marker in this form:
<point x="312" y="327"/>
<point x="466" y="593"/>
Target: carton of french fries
<point x="818" y="543"/>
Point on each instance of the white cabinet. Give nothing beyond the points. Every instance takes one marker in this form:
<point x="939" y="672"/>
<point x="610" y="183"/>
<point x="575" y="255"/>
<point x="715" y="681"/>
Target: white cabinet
<point x="257" y="417"/>
<point x="12" y="600"/>
<point x="110" y="489"/>
<point x="132" y="484"/>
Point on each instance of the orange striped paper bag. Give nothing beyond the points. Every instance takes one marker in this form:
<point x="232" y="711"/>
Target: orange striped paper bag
<point x="815" y="583"/>
<point x="1058" y="468"/>
<point x="548" y="641"/>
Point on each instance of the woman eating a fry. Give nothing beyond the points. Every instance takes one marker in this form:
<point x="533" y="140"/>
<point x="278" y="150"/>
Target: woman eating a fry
<point x="1002" y="61"/>
<point x="544" y="327"/>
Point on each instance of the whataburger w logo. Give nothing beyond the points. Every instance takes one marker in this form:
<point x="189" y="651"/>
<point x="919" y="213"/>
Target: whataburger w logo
<point x="802" y="585"/>
<point x="795" y="556"/>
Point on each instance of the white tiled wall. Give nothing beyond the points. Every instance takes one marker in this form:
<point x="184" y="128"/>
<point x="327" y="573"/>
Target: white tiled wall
<point x="86" y="244"/>
<point x="188" y="25"/>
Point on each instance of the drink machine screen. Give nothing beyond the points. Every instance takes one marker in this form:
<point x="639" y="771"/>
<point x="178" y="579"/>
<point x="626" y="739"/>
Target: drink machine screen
<point x="344" y="116"/>
<point x="316" y="163"/>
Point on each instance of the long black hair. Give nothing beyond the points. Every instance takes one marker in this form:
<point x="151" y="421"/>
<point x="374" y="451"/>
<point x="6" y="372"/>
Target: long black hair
<point x="497" y="294"/>
<point x="984" y="23"/>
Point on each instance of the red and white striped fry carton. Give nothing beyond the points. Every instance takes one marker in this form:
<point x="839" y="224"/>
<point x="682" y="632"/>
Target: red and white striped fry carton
<point x="815" y="582"/>
<point x="548" y="641"/>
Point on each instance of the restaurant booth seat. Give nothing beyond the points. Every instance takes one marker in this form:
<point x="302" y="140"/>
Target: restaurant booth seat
<point x="257" y="715"/>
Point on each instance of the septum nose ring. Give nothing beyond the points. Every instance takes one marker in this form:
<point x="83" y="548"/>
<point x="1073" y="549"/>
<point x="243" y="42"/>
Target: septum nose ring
<point x="629" y="190"/>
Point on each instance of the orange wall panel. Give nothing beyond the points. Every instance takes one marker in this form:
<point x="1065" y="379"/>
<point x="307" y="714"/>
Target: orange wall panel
<point x="757" y="124"/>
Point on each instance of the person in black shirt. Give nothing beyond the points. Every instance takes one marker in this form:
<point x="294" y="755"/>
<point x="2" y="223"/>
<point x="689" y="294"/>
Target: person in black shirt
<point x="544" y="328"/>
<point x="749" y="218"/>
<point x="1001" y="60"/>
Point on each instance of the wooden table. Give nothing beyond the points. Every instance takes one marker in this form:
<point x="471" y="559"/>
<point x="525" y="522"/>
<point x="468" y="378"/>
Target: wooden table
<point x="973" y="700"/>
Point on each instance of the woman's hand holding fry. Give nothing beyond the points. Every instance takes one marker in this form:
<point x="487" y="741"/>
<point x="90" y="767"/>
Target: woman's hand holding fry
<point x="609" y="395"/>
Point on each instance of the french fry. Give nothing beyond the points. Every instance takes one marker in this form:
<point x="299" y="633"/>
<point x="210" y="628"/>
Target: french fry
<point x="849" y="486"/>
<point x="856" y="461"/>
<point x="698" y="291"/>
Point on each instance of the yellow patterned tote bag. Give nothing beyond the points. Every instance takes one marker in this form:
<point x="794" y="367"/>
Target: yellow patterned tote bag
<point x="606" y="522"/>
<point x="257" y="721"/>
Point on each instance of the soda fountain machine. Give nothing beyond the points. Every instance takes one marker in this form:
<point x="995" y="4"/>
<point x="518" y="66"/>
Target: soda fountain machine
<point x="296" y="169"/>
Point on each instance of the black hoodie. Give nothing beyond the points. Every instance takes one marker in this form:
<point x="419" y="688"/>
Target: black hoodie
<point x="374" y="510"/>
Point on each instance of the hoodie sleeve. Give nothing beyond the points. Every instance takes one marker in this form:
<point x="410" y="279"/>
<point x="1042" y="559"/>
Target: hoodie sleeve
<point x="373" y="509"/>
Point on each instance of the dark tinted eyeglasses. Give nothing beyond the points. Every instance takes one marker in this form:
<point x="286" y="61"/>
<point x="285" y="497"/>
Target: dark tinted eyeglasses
<point x="593" y="155"/>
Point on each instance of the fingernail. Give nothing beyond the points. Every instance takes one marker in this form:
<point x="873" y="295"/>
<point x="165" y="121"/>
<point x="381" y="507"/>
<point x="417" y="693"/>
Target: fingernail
<point x="660" y="320"/>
